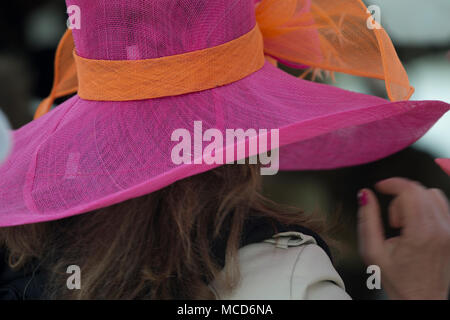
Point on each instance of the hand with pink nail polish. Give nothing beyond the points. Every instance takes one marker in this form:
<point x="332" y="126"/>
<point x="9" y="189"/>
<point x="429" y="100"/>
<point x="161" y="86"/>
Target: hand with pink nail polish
<point x="415" y="264"/>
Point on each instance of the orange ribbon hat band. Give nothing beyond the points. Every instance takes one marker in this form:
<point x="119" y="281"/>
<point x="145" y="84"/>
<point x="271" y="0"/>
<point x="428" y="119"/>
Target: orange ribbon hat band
<point x="335" y="36"/>
<point x="110" y="80"/>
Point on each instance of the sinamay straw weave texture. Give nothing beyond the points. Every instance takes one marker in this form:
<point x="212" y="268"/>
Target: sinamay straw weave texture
<point x="85" y="155"/>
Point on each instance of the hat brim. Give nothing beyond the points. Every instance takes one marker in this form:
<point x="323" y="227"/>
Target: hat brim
<point x="86" y="155"/>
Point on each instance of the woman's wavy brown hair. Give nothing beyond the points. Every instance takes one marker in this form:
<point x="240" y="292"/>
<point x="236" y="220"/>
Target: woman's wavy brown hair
<point x="154" y="247"/>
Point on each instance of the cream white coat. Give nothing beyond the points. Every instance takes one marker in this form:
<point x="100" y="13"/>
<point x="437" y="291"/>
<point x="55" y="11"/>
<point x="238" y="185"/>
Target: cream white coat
<point x="290" y="266"/>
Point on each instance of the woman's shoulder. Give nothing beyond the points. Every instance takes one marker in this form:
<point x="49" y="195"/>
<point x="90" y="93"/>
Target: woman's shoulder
<point x="288" y="266"/>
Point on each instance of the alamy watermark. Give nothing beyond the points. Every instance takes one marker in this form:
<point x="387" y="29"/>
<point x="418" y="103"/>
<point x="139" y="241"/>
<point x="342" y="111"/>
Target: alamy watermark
<point x="74" y="20"/>
<point x="374" y="21"/>
<point x="374" y="280"/>
<point x="225" y="148"/>
<point x="74" y="280"/>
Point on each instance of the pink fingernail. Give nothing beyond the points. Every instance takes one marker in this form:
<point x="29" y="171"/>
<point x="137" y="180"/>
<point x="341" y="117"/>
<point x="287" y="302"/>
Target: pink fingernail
<point x="362" y="198"/>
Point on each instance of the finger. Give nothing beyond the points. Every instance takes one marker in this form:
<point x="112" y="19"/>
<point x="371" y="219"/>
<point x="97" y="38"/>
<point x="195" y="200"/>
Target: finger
<point x="403" y="208"/>
<point x="395" y="217"/>
<point x="370" y="227"/>
<point x="396" y="186"/>
<point x="406" y="214"/>
<point x="441" y="200"/>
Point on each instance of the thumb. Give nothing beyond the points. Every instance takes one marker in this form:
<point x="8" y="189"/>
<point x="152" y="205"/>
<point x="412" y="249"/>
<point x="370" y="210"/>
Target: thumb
<point x="370" y="227"/>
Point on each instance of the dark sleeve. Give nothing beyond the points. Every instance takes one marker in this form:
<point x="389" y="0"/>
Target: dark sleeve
<point x="258" y="229"/>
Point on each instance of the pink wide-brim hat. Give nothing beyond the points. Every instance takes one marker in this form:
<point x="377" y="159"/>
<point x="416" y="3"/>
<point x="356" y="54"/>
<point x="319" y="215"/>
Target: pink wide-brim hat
<point x="88" y="154"/>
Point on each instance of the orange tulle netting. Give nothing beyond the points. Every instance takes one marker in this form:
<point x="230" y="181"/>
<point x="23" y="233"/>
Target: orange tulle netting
<point x="335" y="36"/>
<point x="65" y="80"/>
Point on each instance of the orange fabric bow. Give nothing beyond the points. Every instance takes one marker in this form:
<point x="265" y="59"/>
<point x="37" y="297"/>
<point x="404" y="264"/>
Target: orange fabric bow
<point x="330" y="35"/>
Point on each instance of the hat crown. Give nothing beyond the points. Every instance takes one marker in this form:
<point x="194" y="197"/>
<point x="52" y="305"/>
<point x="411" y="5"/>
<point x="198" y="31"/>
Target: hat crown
<point x="144" y="29"/>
